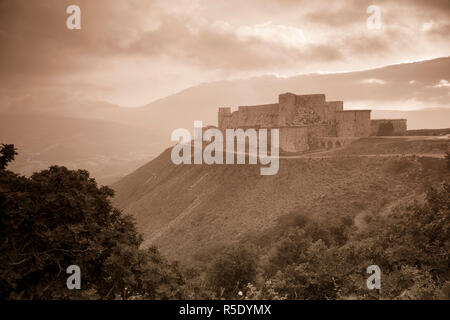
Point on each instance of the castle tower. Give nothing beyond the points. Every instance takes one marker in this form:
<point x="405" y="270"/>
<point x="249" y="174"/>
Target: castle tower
<point x="288" y="103"/>
<point x="224" y="114"/>
<point x="286" y="108"/>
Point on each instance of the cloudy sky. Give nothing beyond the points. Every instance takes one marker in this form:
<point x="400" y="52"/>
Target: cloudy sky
<point x="130" y="52"/>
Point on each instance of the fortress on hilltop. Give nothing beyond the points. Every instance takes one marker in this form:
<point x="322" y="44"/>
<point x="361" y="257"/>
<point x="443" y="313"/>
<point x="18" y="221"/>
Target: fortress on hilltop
<point x="309" y="122"/>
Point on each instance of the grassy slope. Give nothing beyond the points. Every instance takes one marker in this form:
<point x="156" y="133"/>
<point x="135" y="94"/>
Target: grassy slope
<point x="190" y="210"/>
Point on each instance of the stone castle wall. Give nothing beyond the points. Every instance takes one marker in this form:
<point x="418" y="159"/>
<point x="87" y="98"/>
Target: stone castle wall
<point x="302" y="138"/>
<point x="353" y="123"/>
<point x="388" y="127"/>
<point x="304" y="120"/>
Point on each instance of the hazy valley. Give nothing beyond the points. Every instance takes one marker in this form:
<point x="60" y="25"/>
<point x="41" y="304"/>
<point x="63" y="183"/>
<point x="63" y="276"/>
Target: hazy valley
<point x="112" y="141"/>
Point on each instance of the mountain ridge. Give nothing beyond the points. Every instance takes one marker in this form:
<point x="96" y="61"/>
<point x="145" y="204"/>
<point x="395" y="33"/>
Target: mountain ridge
<point x="359" y="89"/>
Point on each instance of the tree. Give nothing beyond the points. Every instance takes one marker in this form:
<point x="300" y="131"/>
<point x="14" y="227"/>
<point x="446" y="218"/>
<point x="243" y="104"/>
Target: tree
<point x="232" y="270"/>
<point x="312" y="278"/>
<point x="60" y="217"/>
<point x="8" y="153"/>
<point x="409" y="245"/>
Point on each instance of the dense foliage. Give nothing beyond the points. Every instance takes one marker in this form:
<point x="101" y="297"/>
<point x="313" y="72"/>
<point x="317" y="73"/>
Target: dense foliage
<point x="7" y="154"/>
<point x="231" y="271"/>
<point x="326" y="256"/>
<point x="59" y="217"/>
<point x="411" y="247"/>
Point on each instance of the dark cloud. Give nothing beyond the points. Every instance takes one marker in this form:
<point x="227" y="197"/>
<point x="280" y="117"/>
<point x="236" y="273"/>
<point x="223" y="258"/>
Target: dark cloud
<point x="349" y="12"/>
<point x="440" y="31"/>
<point x="35" y="39"/>
<point x="438" y="6"/>
<point x="232" y="37"/>
<point x="337" y="18"/>
<point x="212" y="47"/>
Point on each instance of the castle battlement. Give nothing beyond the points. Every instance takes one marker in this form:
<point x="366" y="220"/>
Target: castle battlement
<point x="307" y="121"/>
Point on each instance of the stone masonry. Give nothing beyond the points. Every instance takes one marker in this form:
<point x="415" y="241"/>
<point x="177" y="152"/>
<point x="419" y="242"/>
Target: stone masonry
<point x="309" y="122"/>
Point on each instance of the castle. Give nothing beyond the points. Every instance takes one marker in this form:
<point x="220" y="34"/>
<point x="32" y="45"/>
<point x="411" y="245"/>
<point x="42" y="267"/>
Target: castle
<point x="309" y="122"/>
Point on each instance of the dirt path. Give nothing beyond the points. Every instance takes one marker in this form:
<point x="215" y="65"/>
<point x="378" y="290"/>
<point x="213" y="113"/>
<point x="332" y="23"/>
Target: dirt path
<point x="335" y="153"/>
<point x="318" y="156"/>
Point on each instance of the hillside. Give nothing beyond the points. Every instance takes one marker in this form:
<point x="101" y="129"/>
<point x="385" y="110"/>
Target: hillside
<point x="189" y="210"/>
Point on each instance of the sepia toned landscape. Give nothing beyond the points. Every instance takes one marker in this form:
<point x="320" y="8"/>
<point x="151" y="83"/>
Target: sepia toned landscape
<point x="350" y="102"/>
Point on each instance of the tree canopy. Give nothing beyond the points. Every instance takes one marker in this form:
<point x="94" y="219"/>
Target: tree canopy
<point x="7" y="154"/>
<point x="60" y="217"/>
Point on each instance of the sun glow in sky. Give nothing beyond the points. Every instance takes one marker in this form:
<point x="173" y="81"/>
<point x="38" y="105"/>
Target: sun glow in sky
<point x="135" y="51"/>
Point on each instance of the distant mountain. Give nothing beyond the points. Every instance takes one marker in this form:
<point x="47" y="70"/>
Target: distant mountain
<point x="109" y="132"/>
<point x="418" y="119"/>
<point x="38" y="106"/>
<point x="417" y="85"/>
<point x="404" y="86"/>
<point x="107" y="149"/>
